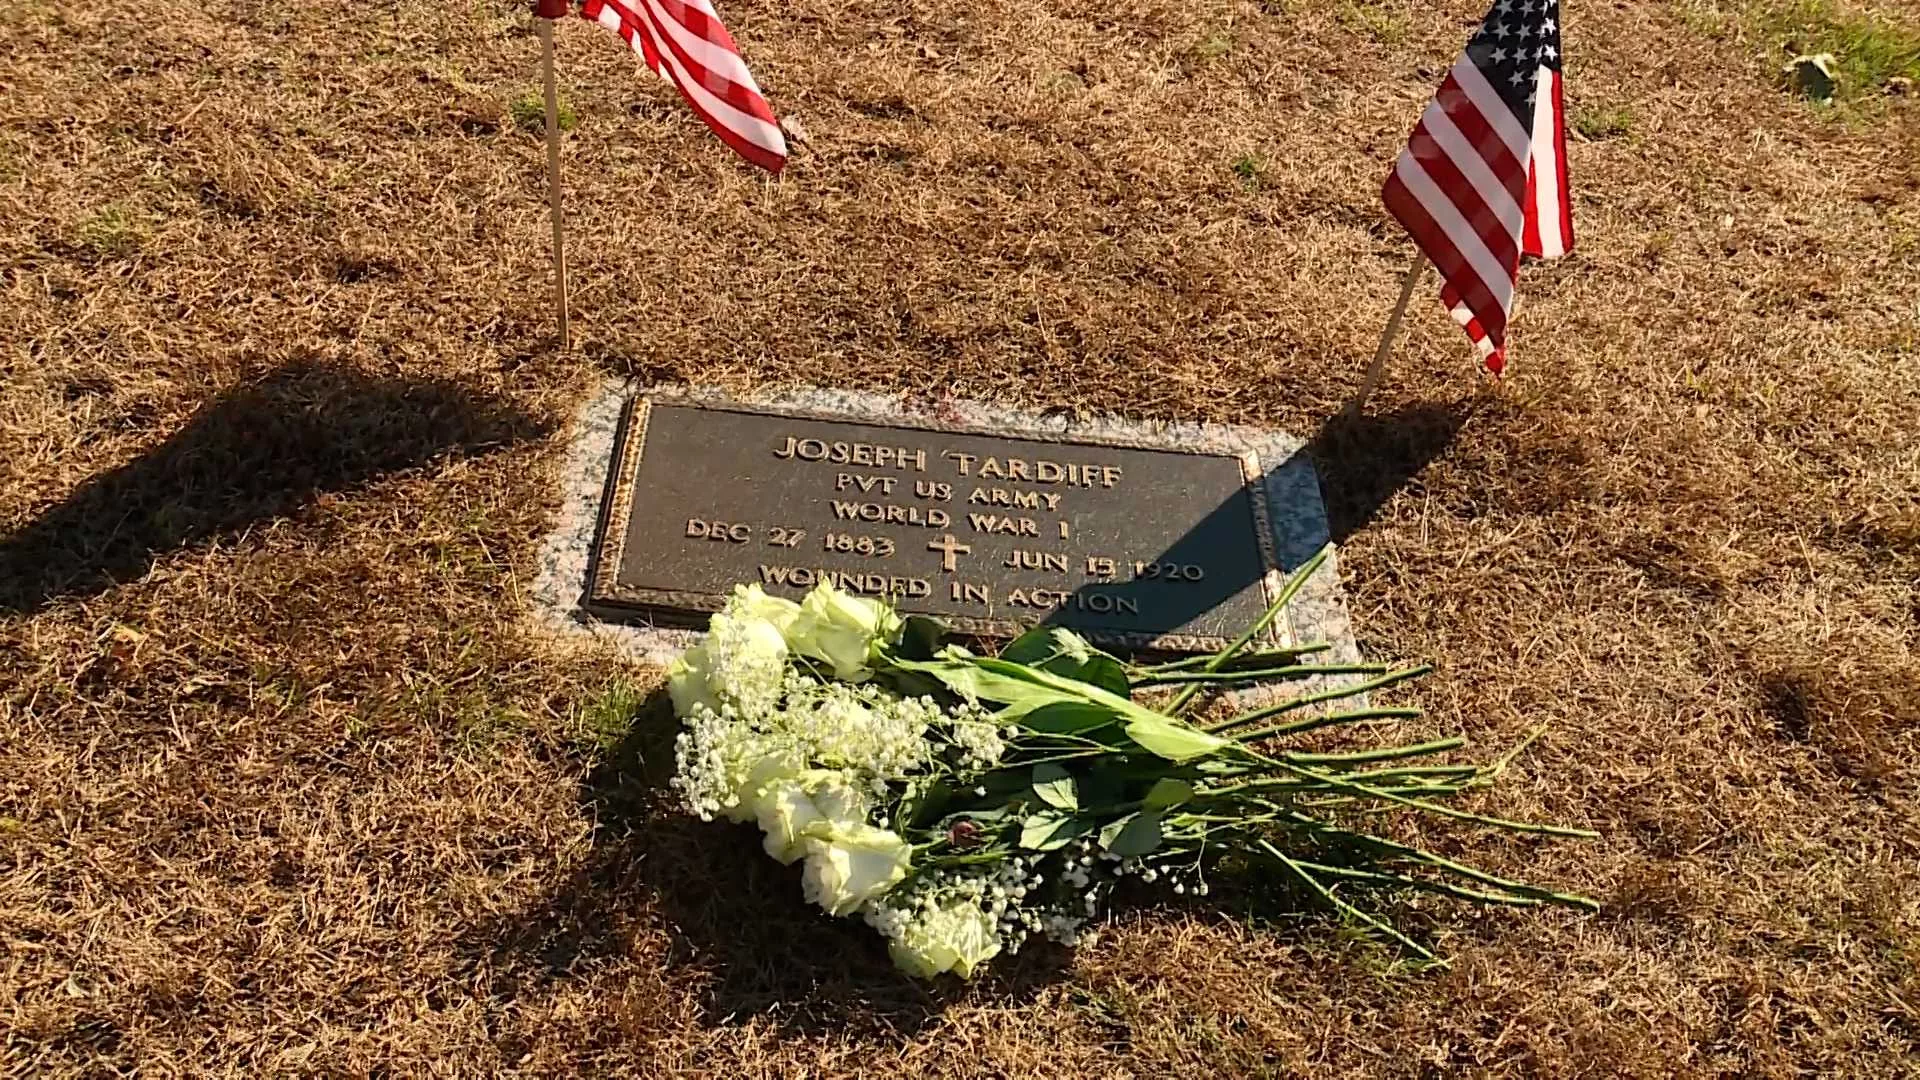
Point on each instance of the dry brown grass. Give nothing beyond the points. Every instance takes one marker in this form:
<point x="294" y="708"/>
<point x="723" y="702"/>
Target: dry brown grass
<point x="288" y="784"/>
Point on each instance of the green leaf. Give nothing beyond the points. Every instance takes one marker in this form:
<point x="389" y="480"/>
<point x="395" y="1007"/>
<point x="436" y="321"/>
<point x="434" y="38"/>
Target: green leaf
<point x="1063" y="652"/>
<point x="1033" y="647"/>
<point x="1050" y="829"/>
<point x="1171" y="739"/>
<point x="1167" y="792"/>
<point x="1071" y="646"/>
<point x="1065" y="718"/>
<point x="920" y="638"/>
<point x="992" y="817"/>
<point x="1054" y="786"/>
<point x="911" y="684"/>
<point x="970" y="680"/>
<point x="1135" y="834"/>
<point x="1022" y="689"/>
<point x="1103" y="786"/>
<point x="1102" y="671"/>
<point x="1072" y="689"/>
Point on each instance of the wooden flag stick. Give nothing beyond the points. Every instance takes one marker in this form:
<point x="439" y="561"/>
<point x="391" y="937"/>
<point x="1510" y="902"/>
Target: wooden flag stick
<point x="1378" y="369"/>
<point x="553" y="182"/>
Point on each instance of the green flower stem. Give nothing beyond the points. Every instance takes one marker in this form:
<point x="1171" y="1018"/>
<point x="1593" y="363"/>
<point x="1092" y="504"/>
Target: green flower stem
<point x="1294" y="783"/>
<point x="1332" y="802"/>
<point x="1220" y="659"/>
<point x="1326" y="894"/>
<point x="1265" y="656"/>
<point x="1489" y="772"/>
<point x="1298" y="792"/>
<point x="1337" y="800"/>
<point x="1256" y="674"/>
<point x="1069" y="738"/>
<point x="1333" y="694"/>
<point x="1410" y="882"/>
<point x="1247" y="786"/>
<point x="974" y="858"/>
<point x="1327" y="720"/>
<point x="1440" y="862"/>
<point x="1414" y="770"/>
<point x="1309" y="787"/>
<point x="1027" y="763"/>
<point x="1336" y="783"/>
<point x="1388" y="753"/>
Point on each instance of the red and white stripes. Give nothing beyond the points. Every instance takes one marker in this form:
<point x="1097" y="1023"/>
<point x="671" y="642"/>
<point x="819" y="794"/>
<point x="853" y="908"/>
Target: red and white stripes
<point x="684" y="42"/>
<point x="1549" y="231"/>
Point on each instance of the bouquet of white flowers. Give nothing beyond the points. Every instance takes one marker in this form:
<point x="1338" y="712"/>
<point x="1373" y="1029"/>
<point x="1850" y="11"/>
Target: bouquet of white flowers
<point x="963" y="803"/>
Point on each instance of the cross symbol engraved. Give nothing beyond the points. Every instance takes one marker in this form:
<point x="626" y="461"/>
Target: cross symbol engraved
<point x="948" y="547"/>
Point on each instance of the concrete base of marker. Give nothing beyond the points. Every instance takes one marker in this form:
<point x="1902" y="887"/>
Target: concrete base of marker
<point x="1298" y="517"/>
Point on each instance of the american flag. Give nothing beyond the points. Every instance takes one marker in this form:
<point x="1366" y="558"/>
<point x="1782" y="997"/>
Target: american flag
<point x="1484" y="178"/>
<point x="684" y="43"/>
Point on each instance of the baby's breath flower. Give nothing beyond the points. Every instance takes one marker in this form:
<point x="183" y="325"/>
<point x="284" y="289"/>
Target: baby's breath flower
<point x="978" y="741"/>
<point x="861" y="728"/>
<point x="723" y="759"/>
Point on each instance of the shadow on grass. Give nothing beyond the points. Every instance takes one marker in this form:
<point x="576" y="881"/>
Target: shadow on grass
<point x="257" y="452"/>
<point x="1364" y="460"/>
<point x="737" y="926"/>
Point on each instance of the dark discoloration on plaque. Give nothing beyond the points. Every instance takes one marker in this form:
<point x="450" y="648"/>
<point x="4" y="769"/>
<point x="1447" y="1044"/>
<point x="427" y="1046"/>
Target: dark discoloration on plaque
<point x="1133" y="546"/>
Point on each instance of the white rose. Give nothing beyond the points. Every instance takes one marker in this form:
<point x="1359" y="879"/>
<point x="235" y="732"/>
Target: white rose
<point x="958" y="938"/>
<point x="752" y="602"/>
<point x="848" y="865"/>
<point x="755" y="636"/>
<point x="794" y="807"/>
<point x="765" y="772"/>
<point x="687" y="682"/>
<point x="746" y="661"/>
<point x="842" y="630"/>
<point x="838" y="799"/>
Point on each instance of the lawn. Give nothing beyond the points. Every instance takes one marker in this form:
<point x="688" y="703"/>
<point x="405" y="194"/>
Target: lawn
<point x="292" y="782"/>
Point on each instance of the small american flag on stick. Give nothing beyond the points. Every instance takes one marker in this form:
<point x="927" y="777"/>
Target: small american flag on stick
<point x="684" y="42"/>
<point x="1484" y="178"/>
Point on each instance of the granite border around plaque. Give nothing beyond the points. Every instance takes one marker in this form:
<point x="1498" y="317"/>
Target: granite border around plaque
<point x="592" y="498"/>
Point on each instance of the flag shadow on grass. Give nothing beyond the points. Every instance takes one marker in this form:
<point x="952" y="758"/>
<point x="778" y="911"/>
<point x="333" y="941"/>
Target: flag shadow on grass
<point x="1365" y="460"/>
<point x="257" y="452"/>
<point x="1351" y="466"/>
<point x="701" y="903"/>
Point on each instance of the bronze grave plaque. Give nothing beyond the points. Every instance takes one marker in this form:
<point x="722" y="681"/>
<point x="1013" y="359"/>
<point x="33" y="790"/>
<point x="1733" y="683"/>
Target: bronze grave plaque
<point x="1132" y="545"/>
